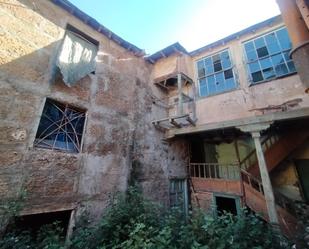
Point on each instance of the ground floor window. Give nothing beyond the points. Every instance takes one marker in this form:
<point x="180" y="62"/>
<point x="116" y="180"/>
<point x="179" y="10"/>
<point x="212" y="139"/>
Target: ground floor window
<point x="229" y="204"/>
<point x="179" y="194"/>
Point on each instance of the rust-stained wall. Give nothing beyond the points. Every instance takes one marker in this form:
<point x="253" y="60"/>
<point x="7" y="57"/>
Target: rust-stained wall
<point x="120" y="105"/>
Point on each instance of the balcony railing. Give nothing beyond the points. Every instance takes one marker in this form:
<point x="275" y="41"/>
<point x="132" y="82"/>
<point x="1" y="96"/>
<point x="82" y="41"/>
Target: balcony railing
<point x="215" y="170"/>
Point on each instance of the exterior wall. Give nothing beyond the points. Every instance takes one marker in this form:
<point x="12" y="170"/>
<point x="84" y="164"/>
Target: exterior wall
<point x="239" y="103"/>
<point x="120" y="105"/>
<point x="286" y="179"/>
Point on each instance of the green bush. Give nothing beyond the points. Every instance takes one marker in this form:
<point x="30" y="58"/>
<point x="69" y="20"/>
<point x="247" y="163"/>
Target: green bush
<point x="131" y="222"/>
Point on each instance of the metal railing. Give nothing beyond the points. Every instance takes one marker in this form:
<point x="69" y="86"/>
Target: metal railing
<point x="214" y="170"/>
<point x="251" y="158"/>
<point x="252" y="181"/>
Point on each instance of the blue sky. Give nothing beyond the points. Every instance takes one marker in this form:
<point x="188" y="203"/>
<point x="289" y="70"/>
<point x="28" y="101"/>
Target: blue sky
<point x="155" y="24"/>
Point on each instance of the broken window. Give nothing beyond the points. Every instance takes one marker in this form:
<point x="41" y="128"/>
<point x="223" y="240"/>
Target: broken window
<point x="268" y="56"/>
<point x="227" y="204"/>
<point x="215" y="74"/>
<point x="76" y="56"/>
<point x="61" y="127"/>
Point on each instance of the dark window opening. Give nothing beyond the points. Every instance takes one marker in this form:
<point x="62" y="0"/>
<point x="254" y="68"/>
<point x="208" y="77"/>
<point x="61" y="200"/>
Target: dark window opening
<point x="33" y="223"/>
<point x="225" y="204"/>
<point x="61" y="127"/>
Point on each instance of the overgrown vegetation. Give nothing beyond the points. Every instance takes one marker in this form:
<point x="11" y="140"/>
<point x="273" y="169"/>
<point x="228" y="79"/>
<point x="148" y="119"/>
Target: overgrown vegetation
<point x="131" y="222"/>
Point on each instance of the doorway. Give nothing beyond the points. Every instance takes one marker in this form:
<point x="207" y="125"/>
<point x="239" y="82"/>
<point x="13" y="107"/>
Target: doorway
<point x="302" y="166"/>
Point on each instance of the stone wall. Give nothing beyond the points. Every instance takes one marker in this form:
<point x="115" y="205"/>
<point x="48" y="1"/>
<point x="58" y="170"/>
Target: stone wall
<point x="120" y="103"/>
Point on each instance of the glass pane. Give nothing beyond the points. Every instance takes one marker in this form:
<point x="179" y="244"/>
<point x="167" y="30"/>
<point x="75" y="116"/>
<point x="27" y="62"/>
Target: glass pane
<point x="211" y="84"/>
<point x="252" y="56"/>
<point x="200" y="69"/>
<point x="225" y="60"/>
<point x="220" y="82"/>
<point x="259" y="42"/>
<point x="284" y="39"/>
<point x="216" y="58"/>
<point x="272" y="43"/>
<point x="262" y="52"/>
<point x="277" y="59"/>
<point x="287" y="55"/>
<point x="217" y="66"/>
<point x="281" y="70"/>
<point x="257" y="76"/>
<point x="209" y="69"/>
<point x="291" y="67"/>
<point x="249" y="46"/>
<point x="203" y="87"/>
<point x="269" y="73"/>
<point x="254" y="67"/>
<point x="208" y="61"/>
<point x="230" y="83"/>
<point x="228" y="74"/>
<point x="265" y="63"/>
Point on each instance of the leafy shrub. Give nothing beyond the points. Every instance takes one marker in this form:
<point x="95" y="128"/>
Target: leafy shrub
<point x="131" y="222"/>
<point x="48" y="237"/>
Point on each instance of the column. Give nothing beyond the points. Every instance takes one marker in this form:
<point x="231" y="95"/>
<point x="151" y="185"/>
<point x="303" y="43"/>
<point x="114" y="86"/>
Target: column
<point x="254" y="130"/>
<point x="179" y="84"/>
<point x="268" y="190"/>
<point x="299" y="35"/>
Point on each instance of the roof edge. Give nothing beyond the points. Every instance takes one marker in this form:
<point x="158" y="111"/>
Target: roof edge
<point x="165" y="52"/>
<point x="235" y="35"/>
<point x="90" y="21"/>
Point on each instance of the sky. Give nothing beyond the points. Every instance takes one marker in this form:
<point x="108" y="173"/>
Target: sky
<point x="155" y="24"/>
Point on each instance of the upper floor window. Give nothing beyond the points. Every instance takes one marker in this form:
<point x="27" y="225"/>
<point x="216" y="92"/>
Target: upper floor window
<point x="268" y="56"/>
<point x="76" y="55"/>
<point x="61" y="127"/>
<point x="215" y="74"/>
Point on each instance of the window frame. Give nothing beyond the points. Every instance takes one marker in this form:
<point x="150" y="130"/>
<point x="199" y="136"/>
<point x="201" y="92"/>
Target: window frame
<point x="184" y="193"/>
<point x="232" y="68"/>
<point x="281" y="52"/>
<point x="82" y="133"/>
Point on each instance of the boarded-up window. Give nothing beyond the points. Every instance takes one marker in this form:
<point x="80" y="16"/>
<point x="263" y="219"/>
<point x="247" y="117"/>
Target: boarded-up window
<point x="76" y="57"/>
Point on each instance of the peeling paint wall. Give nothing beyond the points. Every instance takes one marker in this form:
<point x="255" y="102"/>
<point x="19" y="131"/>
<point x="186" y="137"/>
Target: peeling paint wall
<point x="239" y="103"/>
<point x="120" y="103"/>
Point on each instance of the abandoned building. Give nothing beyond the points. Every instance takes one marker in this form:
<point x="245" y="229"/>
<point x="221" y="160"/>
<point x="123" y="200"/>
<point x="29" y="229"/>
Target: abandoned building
<point x="222" y="127"/>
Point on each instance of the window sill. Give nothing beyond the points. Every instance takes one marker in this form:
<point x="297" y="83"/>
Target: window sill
<point x="272" y="79"/>
<point x="216" y="94"/>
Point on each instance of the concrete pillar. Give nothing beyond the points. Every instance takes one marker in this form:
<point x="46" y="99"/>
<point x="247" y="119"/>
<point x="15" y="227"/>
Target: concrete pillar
<point x="180" y="104"/>
<point x="268" y="190"/>
<point x="299" y="35"/>
<point x="255" y="130"/>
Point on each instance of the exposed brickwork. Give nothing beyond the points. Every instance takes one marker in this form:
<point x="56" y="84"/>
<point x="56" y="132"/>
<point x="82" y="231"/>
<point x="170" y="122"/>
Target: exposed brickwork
<point x="118" y="127"/>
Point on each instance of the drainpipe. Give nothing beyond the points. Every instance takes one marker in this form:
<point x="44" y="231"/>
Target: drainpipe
<point x="299" y="35"/>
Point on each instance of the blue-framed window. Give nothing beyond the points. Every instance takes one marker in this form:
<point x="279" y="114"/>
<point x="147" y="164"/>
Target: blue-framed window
<point x="215" y="74"/>
<point x="268" y="56"/>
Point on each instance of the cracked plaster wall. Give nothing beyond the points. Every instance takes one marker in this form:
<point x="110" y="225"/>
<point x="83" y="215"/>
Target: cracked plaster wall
<point x="120" y="107"/>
